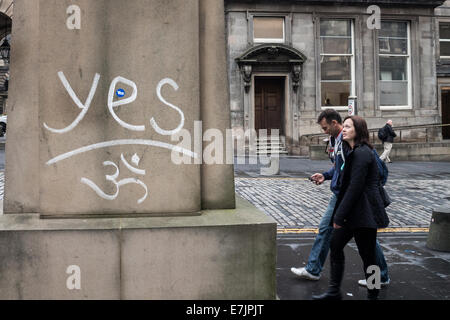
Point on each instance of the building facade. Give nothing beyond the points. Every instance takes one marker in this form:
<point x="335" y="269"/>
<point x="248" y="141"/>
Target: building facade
<point x="6" y="12"/>
<point x="290" y="60"/>
<point x="442" y="25"/>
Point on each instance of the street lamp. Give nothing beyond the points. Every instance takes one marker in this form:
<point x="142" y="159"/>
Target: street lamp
<point x="5" y="50"/>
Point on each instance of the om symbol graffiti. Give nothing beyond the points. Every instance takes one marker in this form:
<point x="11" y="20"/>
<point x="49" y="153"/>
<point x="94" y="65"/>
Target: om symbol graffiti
<point x="121" y="183"/>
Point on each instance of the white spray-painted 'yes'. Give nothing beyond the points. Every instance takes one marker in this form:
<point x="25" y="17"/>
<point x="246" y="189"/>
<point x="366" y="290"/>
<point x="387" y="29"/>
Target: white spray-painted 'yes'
<point x="114" y="104"/>
<point x="121" y="183"/>
<point x="84" y="107"/>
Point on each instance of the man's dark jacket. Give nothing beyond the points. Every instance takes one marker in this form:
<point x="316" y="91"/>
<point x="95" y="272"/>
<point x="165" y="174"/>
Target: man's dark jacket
<point x="390" y="134"/>
<point x="359" y="203"/>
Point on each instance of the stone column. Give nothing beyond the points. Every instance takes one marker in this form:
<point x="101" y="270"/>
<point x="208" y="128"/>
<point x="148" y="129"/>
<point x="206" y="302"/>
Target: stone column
<point x="215" y="109"/>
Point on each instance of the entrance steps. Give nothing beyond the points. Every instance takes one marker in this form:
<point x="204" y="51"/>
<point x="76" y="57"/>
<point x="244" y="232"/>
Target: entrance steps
<point x="268" y="145"/>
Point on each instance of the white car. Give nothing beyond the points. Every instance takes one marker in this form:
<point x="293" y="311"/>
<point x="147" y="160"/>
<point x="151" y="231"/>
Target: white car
<point x="3" y="121"/>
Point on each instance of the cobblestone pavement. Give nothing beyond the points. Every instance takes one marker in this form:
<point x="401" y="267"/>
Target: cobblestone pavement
<point x="295" y="202"/>
<point x="298" y="203"/>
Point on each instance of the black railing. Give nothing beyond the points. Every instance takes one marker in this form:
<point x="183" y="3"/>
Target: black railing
<point x="317" y="138"/>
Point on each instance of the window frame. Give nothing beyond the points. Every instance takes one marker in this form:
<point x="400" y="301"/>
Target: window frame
<point x="287" y="16"/>
<point x="353" y="63"/>
<point x="408" y="68"/>
<point x="441" y="57"/>
<point x="269" y="40"/>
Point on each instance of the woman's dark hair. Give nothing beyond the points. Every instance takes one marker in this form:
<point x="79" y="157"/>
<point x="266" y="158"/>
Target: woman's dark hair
<point x="361" y="131"/>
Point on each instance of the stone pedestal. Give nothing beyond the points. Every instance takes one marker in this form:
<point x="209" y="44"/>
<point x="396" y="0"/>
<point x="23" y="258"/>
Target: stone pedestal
<point x="222" y="254"/>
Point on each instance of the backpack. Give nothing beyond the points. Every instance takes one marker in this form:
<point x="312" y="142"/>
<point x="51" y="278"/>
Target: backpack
<point x="382" y="134"/>
<point x="382" y="168"/>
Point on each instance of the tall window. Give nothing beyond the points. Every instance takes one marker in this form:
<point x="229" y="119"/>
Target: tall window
<point x="395" y="65"/>
<point x="337" y="63"/>
<point x="268" y="29"/>
<point x="444" y="39"/>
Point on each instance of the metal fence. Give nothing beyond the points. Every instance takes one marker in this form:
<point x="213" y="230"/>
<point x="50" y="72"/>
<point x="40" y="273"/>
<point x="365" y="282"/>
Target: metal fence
<point x="422" y="133"/>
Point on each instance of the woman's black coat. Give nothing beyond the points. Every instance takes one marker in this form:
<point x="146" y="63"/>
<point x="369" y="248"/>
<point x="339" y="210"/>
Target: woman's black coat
<point x="359" y="203"/>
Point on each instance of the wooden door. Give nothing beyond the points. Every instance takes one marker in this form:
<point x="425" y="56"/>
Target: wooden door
<point x="269" y="103"/>
<point x="446" y="114"/>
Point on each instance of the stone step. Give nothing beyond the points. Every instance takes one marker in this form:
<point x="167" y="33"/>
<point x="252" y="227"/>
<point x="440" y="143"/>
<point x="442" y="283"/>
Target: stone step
<point x="269" y="153"/>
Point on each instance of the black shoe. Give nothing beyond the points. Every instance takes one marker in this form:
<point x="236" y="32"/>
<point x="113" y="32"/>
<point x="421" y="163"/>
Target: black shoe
<point x="328" y="296"/>
<point x="334" y="289"/>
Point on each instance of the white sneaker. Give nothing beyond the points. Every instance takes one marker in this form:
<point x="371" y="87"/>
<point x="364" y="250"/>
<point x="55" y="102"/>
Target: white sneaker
<point x="363" y="283"/>
<point x="302" y="273"/>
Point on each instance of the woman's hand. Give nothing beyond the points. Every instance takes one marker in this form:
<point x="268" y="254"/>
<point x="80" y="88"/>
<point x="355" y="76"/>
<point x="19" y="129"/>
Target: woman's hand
<point x="336" y="226"/>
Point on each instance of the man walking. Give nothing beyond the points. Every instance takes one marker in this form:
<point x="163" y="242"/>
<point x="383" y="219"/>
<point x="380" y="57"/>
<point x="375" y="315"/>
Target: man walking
<point x="331" y="123"/>
<point x="388" y="139"/>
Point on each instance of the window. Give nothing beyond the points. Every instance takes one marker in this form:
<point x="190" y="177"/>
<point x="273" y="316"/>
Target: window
<point x="268" y="29"/>
<point x="444" y="40"/>
<point x="337" y="63"/>
<point x="394" y="65"/>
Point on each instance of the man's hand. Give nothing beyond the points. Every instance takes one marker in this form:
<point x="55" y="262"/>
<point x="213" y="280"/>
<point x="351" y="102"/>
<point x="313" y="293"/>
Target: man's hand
<point x="318" y="178"/>
<point x="336" y="226"/>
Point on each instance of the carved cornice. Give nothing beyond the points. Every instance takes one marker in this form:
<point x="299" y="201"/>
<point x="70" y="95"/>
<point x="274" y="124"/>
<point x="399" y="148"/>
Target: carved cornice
<point x="271" y="54"/>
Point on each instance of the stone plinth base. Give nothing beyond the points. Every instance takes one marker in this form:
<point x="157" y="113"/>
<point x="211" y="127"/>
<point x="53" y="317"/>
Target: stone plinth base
<point x="222" y="254"/>
<point x="439" y="235"/>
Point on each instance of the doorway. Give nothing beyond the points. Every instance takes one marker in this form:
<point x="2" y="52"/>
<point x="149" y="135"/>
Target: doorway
<point x="269" y="104"/>
<point x="446" y="113"/>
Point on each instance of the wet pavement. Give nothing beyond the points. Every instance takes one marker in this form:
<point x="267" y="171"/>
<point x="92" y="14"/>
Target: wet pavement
<point x="416" y="272"/>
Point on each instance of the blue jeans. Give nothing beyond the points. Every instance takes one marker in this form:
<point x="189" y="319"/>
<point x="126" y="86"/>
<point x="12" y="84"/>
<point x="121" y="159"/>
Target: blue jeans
<point x="321" y="246"/>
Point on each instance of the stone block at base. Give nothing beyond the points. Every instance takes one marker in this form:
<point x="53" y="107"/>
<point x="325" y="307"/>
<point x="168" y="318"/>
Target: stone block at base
<point x="222" y="254"/>
<point x="439" y="235"/>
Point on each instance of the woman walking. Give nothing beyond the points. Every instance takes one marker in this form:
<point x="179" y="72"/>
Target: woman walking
<point x="359" y="210"/>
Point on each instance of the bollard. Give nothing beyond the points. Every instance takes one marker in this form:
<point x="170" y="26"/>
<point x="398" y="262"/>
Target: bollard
<point x="439" y="234"/>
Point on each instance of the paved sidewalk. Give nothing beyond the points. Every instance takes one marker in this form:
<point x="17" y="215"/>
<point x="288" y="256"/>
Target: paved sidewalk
<point x="417" y="273"/>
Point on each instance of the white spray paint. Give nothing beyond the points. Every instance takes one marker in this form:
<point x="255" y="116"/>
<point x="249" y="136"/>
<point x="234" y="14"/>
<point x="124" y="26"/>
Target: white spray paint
<point x="118" y="184"/>
<point x="155" y="126"/>
<point x="84" y="107"/>
<point x="130" y="167"/>
<point x="114" y="143"/>
<point x="113" y="104"/>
